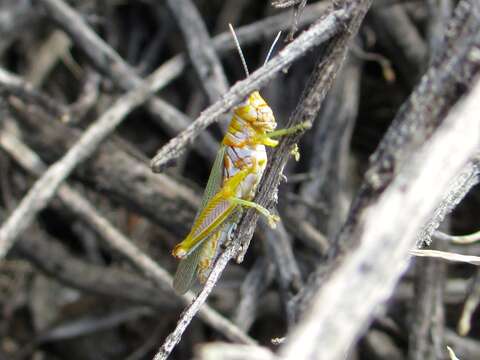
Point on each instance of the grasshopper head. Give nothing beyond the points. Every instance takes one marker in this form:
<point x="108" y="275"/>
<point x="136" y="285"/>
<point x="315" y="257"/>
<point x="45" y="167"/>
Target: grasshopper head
<point x="257" y="112"/>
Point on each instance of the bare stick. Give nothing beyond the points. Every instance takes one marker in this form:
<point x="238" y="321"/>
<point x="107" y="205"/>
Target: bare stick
<point x="346" y="303"/>
<point x="448" y="256"/>
<point x="458" y="239"/>
<point x="52" y="258"/>
<point x="264" y="29"/>
<point x="253" y="287"/>
<point x="285" y="3"/>
<point x="200" y="48"/>
<point x="113" y="171"/>
<point x="44" y="189"/>
<point x="218" y="350"/>
<point x="471" y="304"/>
<point x="426" y="338"/>
<point x="316" y="35"/>
<point x="108" y="61"/>
<point x="187" y="316"/>
<point x="460" y="186"/>
<point x="117" y="241"/>
<point x="15" y="85"/>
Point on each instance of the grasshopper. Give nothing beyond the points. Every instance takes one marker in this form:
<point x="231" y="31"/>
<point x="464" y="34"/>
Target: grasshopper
<point x="236" y="172"/>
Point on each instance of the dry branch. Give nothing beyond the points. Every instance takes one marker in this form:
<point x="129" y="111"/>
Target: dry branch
<point x="109" y="62"/>
<point x="397" y="33"/>
<point x="422" y="113"/>
<point x="316" y="35"/>
<point x="113" y="171"/>
<point x="386" y="231"/>
<point x="467" y="178"/>
<point x="116" y="240"/>
<point x="427" y="318"/>
<point x="200" y="48"/>
<point x="53" y="259"/>
<point x="45" y="188"/>
<point x="195" y="307"/>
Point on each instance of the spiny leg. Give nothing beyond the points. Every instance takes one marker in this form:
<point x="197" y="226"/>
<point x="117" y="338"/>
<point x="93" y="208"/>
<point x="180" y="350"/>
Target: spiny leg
<point x="272" y="218"/>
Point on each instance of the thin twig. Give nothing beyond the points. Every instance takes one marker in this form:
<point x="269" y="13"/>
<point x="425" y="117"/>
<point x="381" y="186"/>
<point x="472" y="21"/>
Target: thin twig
<point x="113" y="170"/>
<point x="108" y="61"/>
<point x="217" y="350"/>
<point x="15" y="85"/>
<point x="174" y="338"/>
<point x="470" y="305"/>
<point x="317" y="34"/>
<point x="449" y="256"/>
<point x="200" y="48"/>
<point x="285" y="3"/>
<point x="460" y="186"/>
<point x="427" y="319"/>
<point x="458" y="239"/>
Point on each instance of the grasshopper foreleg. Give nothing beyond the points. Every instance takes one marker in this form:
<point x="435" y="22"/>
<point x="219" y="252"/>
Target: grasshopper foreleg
<point x="291" y="130"/>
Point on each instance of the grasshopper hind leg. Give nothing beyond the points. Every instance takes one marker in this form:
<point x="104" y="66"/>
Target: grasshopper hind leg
<point x="272" y="218"/>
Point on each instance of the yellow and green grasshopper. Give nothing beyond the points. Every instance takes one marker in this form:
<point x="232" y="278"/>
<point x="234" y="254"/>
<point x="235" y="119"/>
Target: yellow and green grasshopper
<point x="236" y="172"/>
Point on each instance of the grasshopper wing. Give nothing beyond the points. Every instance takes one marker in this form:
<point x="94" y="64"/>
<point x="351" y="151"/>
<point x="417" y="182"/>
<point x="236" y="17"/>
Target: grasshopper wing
<point x="185" y="274"/>
<point x="186" y="270"/>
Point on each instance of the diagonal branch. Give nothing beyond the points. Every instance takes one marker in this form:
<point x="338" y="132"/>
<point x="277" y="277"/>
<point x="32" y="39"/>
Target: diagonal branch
<point x="45" y="188"/>
<point x="316" y="35"/>
<point x="320" y="82"/>
<point x="117" y="241"/>
<point x="109" y="62"/>
<point x="386" y="231"/>
<point x="200" y="48"/>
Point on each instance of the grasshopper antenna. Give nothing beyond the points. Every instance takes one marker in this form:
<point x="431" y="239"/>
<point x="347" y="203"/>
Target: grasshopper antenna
<point x="272" y="47"/>
<point x="237" y="43"/>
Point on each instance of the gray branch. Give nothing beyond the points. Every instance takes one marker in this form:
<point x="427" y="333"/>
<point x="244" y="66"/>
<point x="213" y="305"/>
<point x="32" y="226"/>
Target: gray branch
<point x="45" y="188"/>
<point x="385" y="231"/>
<point x="200" y="48"/>
<point x="115" y="240"/>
